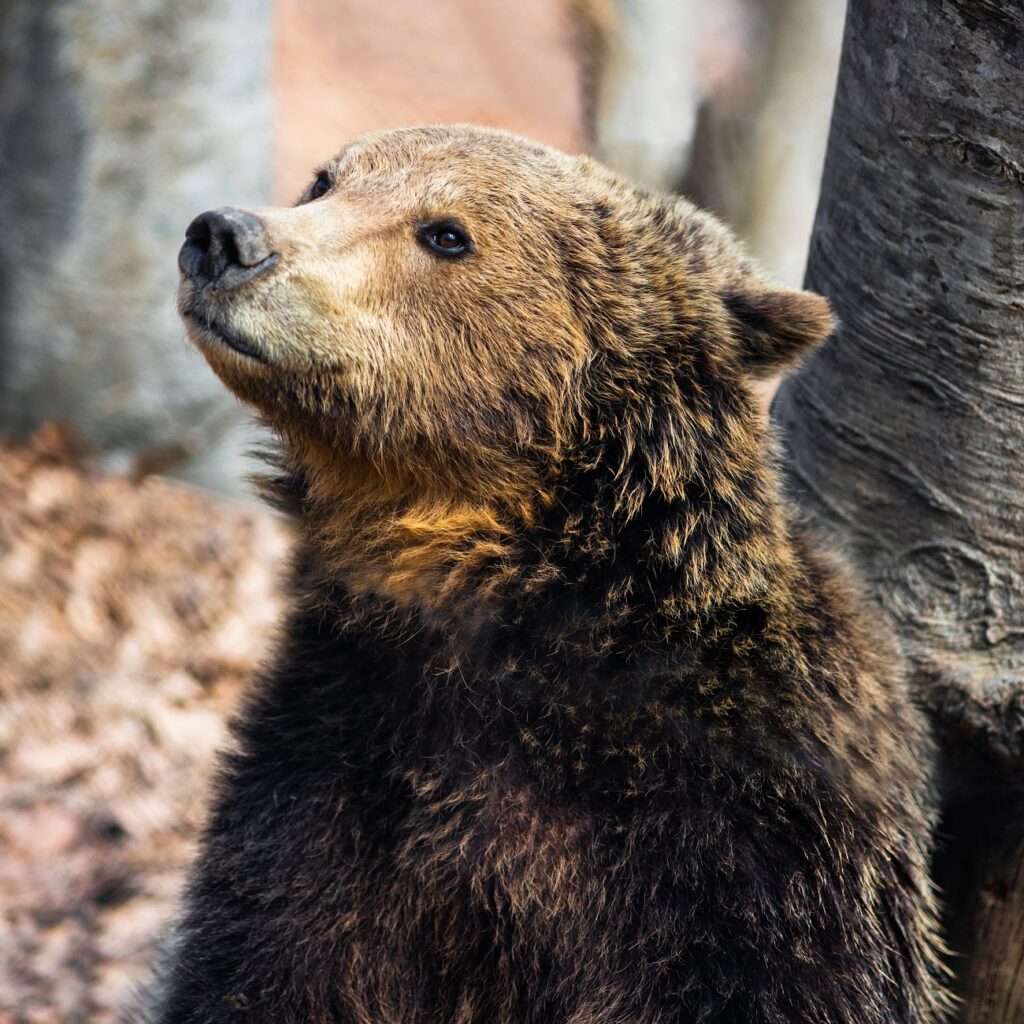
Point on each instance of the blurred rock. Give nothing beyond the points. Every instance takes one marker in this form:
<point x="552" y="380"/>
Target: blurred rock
<point x="121" y="121"/>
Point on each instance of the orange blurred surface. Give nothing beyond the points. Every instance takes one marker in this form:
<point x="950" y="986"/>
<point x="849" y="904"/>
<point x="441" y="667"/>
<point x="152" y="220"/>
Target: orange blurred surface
<point x="345" y="67"/>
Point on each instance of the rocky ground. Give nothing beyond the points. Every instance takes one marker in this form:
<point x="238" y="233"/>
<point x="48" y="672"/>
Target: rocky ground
<point x="132" y="613"/>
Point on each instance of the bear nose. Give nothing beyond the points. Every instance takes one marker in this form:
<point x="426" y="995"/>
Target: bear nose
<point x="225" y="248"/>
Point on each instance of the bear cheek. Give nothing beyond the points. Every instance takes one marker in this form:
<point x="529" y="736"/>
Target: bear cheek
<point x="307" y="322"/>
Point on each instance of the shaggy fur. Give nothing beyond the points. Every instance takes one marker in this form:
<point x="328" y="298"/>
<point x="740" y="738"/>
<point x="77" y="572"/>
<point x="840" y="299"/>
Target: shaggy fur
<point x="570" y="723"/>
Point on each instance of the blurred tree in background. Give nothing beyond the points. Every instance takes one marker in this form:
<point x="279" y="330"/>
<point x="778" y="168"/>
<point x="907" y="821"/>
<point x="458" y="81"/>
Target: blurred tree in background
<point x="728" y="102"/>
<point x="120" y="121"/>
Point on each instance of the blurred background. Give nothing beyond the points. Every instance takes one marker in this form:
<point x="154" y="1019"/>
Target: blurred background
<point x="139" y="580"/>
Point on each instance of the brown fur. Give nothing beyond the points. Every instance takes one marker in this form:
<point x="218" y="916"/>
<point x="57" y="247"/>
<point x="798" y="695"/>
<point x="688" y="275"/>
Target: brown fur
<point x="442" y="455"/>
<point x="570" y="722"/>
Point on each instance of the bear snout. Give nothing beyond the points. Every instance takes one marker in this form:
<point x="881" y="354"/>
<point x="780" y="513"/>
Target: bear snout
<point x="225" y="249"/>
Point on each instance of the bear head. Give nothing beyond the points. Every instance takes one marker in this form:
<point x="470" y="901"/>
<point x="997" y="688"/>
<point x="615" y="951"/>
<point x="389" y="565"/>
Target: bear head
<point x="453" y="319"/>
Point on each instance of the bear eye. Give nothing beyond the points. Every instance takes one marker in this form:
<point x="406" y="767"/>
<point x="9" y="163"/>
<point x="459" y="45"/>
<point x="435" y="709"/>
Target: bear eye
<point x="445" y="238"/>
<point x="321" y="186"/>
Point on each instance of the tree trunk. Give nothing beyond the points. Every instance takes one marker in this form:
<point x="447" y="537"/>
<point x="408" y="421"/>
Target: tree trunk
<point x="906" y="431"/>
<point x="646" y="93"/>
<point x="759" y="145"/>
<point x="119" y="123"/>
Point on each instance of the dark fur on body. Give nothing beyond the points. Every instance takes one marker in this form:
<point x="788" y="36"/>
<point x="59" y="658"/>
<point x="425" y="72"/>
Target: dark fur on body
<point x="604" y="742"/>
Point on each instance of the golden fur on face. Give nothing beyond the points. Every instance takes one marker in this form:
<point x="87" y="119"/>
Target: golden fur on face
<point x="429" y="401"/>
<point x="378" y="345"/>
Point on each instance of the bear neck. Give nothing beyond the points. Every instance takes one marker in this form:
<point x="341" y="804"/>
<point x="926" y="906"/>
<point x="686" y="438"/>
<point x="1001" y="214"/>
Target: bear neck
<point x="664" y="542"/>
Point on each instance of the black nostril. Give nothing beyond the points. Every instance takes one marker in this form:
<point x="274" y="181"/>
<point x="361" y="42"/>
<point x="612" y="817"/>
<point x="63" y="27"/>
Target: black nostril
<point x="229" y="249"/>
<point x="225" y="248"/>
<point x="199" y="231"/>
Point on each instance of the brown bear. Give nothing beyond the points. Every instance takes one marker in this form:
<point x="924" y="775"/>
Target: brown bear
<point x="570" y="721"/>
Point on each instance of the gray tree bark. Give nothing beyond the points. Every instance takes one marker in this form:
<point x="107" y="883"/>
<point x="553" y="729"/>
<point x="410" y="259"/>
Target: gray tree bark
<point x="119" y="121"/>
<point x="906" y="431"/>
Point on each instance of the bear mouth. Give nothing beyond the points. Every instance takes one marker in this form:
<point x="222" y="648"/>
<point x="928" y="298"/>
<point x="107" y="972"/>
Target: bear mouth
<point x="225" y="335"/>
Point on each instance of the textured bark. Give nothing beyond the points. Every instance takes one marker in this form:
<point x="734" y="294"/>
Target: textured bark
<point x="120" y="121"/>
<point x="906" y="432"/>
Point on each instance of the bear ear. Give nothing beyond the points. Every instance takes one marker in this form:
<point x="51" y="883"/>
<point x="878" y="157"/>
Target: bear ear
<point x="776" y="326"/>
